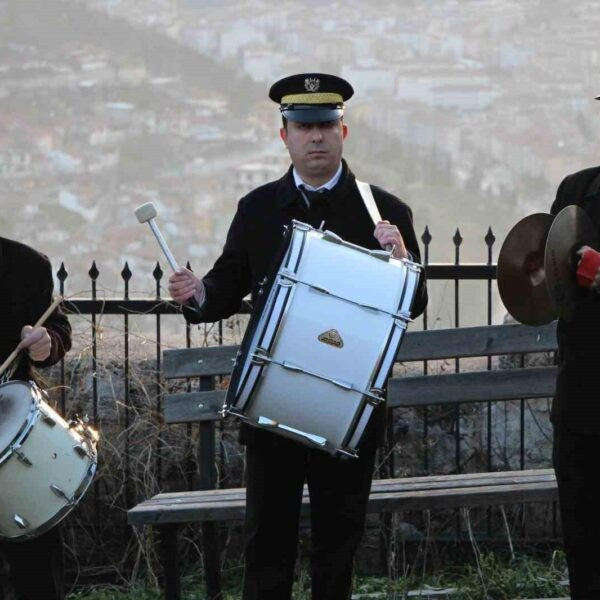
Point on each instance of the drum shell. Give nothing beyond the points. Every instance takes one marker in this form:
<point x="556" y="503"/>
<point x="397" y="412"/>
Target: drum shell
<point x="50" y="456"/>
<point x="323" y="285"/>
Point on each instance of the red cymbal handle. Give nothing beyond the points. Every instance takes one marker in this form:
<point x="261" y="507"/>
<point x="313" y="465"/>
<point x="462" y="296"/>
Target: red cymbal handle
<point x="588" y="267"/>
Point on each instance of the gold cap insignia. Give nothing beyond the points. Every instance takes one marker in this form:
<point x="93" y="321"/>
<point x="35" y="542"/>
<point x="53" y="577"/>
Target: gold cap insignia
<point x="332" y="337"/>
<point x="312" y="84"/>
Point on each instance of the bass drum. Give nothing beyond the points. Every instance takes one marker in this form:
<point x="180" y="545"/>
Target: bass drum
<point x="46" y="464"/>
<point x="317" y="353"/>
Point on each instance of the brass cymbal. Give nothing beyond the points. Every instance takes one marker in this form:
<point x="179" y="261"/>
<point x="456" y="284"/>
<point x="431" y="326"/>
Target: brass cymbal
<point x="571" y="229"/>
<point x="521" y="275"/>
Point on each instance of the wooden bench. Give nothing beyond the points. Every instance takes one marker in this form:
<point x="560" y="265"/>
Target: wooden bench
<point x="209" y="506"/>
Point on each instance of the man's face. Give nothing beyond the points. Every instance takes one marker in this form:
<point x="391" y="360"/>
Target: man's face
<point x="315" y="148"/>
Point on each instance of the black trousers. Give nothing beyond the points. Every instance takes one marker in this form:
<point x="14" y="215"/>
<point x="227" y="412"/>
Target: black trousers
<point x="576" y="465"/>
<point x="339" y="491"/>
<point x="34" y="569"/>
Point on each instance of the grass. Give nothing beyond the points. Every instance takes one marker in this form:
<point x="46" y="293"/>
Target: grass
<point x="492" y="576"/>
<point x="522" y="577"/>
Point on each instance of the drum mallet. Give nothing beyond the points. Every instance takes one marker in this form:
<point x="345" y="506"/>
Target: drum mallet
<point x="146" y="213"/>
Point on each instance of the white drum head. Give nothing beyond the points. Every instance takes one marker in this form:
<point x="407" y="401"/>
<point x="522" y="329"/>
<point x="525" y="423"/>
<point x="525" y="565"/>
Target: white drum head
<point x="16" y="400"/>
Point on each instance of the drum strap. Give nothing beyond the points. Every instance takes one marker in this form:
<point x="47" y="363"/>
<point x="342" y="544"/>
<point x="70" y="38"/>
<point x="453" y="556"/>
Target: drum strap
<point x="367" y="196"/>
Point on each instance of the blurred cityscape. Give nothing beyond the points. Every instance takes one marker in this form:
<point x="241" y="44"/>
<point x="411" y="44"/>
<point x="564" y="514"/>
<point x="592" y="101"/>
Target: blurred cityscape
<point x="470" y="110"/>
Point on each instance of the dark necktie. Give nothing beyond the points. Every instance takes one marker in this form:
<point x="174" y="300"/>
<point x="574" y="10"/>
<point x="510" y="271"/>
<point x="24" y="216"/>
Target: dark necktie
<point x="319" y="205"/>
<point x="314" y="197"/>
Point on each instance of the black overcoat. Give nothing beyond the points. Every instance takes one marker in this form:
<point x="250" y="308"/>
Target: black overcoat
<point x="256" y="234"/>
<point x="26" y="290"/>
<point x="577" y="401"/>
<point x="25" y="293"/>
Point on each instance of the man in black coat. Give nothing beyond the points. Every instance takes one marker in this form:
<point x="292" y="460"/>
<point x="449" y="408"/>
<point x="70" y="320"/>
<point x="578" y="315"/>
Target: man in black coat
<point x="35" y="567"/>
<point x="576" y="408"/>
<point x="318" y="189"/>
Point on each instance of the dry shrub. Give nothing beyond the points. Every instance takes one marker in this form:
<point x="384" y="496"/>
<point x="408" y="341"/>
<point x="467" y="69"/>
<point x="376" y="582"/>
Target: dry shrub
<point x="141" y="456"/>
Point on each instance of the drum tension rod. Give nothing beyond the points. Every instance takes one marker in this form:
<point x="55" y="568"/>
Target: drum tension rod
<point x="82" y="452"/>
<point x="47" y="420"/>
<point x="61" y="494"/>
<point x="21" y="456"/>
<point x="20" y="521"/>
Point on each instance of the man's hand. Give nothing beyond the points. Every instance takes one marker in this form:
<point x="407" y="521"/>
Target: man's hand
<point x="581" y="252"/>
<point x="37" y="341"/>
<point x="387" y="234"/>
<point x="585" y="276"/>
<point x="183" y="284"/>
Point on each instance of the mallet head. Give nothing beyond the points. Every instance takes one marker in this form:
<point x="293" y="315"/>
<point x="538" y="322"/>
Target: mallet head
<point x="146" y="212"/>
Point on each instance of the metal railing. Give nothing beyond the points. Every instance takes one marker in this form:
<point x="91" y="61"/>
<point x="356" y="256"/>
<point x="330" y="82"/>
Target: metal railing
<point x="95" y="307"/>
<point x="160" y="307"/>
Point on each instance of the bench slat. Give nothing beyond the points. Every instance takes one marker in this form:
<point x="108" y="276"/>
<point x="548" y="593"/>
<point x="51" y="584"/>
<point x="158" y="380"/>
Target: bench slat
<point x="393" y="502"/>
<point x="193" y="407"/>
<point x="395" y="488"/>
<point x="544" y="491"/>
<point x="414" y="493"/>
<point x="505" y="384"/>
<point x="489" y="340"/>
<point x="434" y="344"/>
<point x="383" y="485"/>
<point x="197" y="362"/>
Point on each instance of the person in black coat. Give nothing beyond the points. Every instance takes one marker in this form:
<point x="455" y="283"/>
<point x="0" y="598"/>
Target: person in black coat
<point x="318" y="189"/>
<point x="576" y="408"/>
<point x="34" y="569"/>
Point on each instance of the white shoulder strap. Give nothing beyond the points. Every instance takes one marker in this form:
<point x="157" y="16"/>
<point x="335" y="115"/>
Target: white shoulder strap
<point x="367" y="196"/>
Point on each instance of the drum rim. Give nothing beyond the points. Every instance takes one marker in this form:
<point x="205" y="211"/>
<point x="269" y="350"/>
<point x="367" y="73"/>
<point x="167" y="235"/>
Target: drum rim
<point x="378" y="377"/>
<point x="298" y="233"/>
<point x="27" y="426"/>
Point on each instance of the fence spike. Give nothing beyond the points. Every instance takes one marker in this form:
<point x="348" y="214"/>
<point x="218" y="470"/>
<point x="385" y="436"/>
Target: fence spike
<point x="426" y="237"/>
<point x="490" y="238"/>
<point x="126" y="273"/>
<point x="62" y="273"/>
<point x="158" y="272"/>
<point x="93" y="272"/>
<point x="457" y="239"/>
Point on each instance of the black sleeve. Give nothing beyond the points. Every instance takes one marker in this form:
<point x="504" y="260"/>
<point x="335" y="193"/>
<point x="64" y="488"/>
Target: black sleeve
<point x="229" y="281"/>
<point x="559" y="201"/>
<point x="56" y="324"/>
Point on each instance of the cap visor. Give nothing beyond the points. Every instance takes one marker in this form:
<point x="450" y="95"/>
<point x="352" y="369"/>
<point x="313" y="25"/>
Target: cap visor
<point x="312" y="115"/>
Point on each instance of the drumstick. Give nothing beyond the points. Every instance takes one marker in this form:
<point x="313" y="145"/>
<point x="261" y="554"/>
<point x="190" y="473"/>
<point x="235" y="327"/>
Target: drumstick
<point x="146" y="213"/>
<point x="40" y="321"/>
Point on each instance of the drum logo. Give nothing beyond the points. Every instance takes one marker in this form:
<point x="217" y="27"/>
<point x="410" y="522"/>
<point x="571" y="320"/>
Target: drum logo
<point x="332" y="337"/>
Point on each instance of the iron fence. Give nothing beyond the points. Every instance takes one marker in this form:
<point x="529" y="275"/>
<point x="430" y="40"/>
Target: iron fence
<point x="456" y="275"/>
<point x="160" y="307"/>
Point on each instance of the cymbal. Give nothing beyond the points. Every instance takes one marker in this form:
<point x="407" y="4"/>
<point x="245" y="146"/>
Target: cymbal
<point x="571" y="229"/>
<point x="521" y="274"/>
